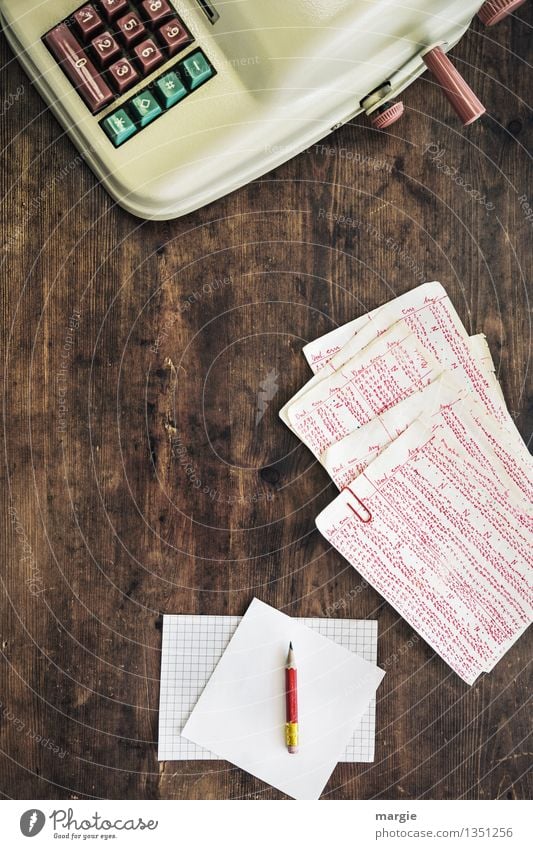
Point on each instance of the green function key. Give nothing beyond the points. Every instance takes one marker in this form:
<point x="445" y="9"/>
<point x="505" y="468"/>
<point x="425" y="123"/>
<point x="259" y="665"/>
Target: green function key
<point x="119" y="127"/>
<point x="145" y="108"/>
<point x="169" y="89"/>
<point x="196" y="69"/>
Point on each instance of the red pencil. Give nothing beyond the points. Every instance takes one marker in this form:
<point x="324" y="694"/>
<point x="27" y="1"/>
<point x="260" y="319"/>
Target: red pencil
<point x="291" y="690"/>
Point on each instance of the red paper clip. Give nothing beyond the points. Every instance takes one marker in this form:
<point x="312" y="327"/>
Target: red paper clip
<point x="367" y="517"/>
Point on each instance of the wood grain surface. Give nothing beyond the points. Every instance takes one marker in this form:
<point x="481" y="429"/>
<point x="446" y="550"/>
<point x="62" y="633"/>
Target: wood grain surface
<point x="147" y="472"/>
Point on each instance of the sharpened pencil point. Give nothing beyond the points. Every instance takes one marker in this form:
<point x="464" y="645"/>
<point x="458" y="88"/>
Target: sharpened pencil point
<point x="290" y="646"/>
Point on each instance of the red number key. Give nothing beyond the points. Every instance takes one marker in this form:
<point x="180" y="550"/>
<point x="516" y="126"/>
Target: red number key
<point x="105" y="48"/>
<point x="148" y="55"/>
<point x="155" y="11"/>
<point x="174" y="36"/>
<point x="113" y="8"/>
<point x="88" y="22"/>
<point x="123" y="75"/>
<point x="78" y="68"/>
<point x="131" y="29"/>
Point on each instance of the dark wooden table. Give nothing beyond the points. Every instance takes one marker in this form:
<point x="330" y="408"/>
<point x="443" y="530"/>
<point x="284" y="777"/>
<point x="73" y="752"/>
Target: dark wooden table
<point x="139" y="480"/>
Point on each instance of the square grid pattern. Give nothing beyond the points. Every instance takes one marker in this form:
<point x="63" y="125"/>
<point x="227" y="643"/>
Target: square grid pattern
<point x="192" y="647"/>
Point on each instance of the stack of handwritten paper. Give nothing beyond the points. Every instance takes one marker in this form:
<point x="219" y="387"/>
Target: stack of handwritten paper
<point x="407" y="416"/>
<point x="240" y="713"/>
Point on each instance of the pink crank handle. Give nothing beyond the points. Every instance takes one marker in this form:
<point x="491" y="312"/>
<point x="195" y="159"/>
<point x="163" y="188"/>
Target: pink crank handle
<point x="455" y="88"/>
<point x="494" y="11"/>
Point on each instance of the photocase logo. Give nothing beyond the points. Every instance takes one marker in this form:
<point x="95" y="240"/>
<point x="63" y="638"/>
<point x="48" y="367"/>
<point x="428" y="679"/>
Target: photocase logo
<point x="32" y="822"/>
<point x="267" y="392"/>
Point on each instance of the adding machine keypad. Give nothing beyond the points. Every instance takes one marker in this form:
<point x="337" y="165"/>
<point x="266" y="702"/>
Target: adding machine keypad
<point x="107" y="47"/>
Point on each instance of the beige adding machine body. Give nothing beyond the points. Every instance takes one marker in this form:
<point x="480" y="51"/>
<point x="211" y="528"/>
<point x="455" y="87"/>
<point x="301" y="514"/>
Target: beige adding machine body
<point x="174" y="104"/>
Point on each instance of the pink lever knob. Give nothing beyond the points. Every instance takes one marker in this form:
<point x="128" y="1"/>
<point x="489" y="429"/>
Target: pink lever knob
<point x="494" y="11"/>
<point x="386" y="115"/>
<point x="456" y="89"/>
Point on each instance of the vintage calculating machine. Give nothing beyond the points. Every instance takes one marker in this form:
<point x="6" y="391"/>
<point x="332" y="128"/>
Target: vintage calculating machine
<point x="174" y="103"/>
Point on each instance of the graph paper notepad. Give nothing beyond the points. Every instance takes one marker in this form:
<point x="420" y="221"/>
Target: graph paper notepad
<point x="192" y="647"/>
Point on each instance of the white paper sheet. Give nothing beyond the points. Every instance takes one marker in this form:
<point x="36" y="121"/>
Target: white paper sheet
<point x="192" y="647"/>
<point x="436" y="524"/>
<point x="321" y="350"/>
<point x="495" y="450"/>
<point x="241" y="713"/>
<point x="346" y="459"/>
<point x="478" y="348"/>
<point x="388" y="369"/>
<point x="433" y="319"/>
<point x="427" y="312"/>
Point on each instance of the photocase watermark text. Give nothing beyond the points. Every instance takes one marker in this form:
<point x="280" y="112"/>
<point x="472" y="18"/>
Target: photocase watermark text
<point x="65" y="819"/>
<point x="180" y="453"/>
<point x="391" y="244"/>
<point x="62" y="372"/>
<point x="35" y="204"/>
<point x="40" y="739"/>
<point x="526" y="208"/>
<point x="187" y="302"/>
<point x="10" y="100"/>
<point x="436" y="155"/>
<point x="362" y="159"/>
<point x="27" y="563"/>
<point x="267" y="392"/>
<point x="342" y="602"/>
